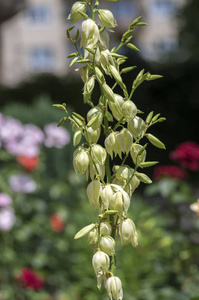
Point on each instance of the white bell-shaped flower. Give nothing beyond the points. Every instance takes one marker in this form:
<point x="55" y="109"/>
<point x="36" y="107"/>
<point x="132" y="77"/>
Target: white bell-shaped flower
<point x="113" y="286"/>
<point x="93" y="191"/>
<point x="105" y="228"/>
<point x="107" y="244"/>
<point x="128" y="233"/>
<point x="100" y="264"/>
<point x="80" y="160"/>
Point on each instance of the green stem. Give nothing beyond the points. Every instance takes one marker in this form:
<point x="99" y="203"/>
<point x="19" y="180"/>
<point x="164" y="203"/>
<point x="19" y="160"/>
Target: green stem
<point x="118" y="124"/>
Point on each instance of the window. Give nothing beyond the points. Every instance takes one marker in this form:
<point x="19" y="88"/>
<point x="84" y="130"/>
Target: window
<point x="38" y="15"/>
<point x="162" y="8"/>
<point x="41" y="60"/>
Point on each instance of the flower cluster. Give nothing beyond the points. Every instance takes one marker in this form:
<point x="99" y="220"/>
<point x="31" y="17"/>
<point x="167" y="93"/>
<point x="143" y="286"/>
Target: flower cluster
<point x="187" y="155"/>
<point x="170" y="171"/>
<point x="118" y="118"/>
<point x="29" y="279"/>
<point x="24" y="142"/>
<point x="7" y="215"/>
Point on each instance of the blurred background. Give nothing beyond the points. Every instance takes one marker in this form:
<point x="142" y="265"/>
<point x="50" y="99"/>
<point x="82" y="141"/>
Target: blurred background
<point x="43" y="203"/>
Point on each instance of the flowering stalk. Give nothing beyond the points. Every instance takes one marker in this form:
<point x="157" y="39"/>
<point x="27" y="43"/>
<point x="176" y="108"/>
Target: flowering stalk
<point x="116" y="117"/>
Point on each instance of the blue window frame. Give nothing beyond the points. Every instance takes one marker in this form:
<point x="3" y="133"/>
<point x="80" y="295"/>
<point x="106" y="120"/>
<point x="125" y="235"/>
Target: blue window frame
<point x="38" y="14"/>
<point x="41" y="60"/>
<point x="162" y="8"/>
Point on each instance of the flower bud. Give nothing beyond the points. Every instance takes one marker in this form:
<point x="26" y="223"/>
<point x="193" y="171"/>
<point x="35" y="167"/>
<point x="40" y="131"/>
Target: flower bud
<point x="138" y="159"/>
<point x="113" y="286"/>
<point x="116" y="107"/>
<point x="128" y="233"/>
<point x="93" y="236"/>
<point x="108" y="92"/>
<point x="75" y="16"/>
<point x="92" y="114"/>
<point x="84" y="73"/>
<point x="115" y="74"/>
<point x="80" y="160"/>
<point x="106" y="18"/>
<point x="123" y="173"/>
<point x="98" y="154"/>
<point x="120" y="201"/>
<point x="155" y="141"/>
<point x="93" y="191"/>
<point x="134" y="183"/>
<point x="106" y="194"/>
<point x="105" y="228"/>
<point x="92" y="135"/>
<point x="100" y="264"/>
<point x="93" y="172"/>
<point x="107" y="244"/>
<point x="137" y="127"/>
<point x="88" y="88"/>
<point x="129" y="110"/>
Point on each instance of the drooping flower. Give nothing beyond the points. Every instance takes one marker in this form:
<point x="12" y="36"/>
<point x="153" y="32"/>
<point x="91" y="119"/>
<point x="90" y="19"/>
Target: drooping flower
<point x="113" y="286"/>
<point x="128" y="233"/>
<point x="187" y="155"/>
<point x="56" y="222"/>
<point x="29" y="279"/>
<point x="169" y="171"/>
<point x="100" y="264"/>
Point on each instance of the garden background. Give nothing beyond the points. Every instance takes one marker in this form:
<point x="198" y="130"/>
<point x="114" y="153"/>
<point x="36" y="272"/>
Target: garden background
<point x="43" y="202"/>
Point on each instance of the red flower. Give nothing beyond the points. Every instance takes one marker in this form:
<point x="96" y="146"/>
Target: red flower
<point x="29" y="279"/>
<point x="57" y="224"/>
<point x="187" y="155"/>
<point x="29" y="163"/>
<point x="169" y="171"/>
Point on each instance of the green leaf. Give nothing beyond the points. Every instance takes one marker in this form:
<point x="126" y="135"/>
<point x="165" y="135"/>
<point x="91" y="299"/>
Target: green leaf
<point x="73" y="61"/>
<point x="147" y="164"/>
<point x="77" y="138"/>
<point x="78" y="116"/>
<point x="111" y="212"/>
<point x="84" y="231"/>
<point x="133" y="47"/>
<point x="143" y="177"/>
<point x="109" y="116"/>
<point x="155" y="141"/>
<point x="92" y="120"/>
<point x="62" y="121"/>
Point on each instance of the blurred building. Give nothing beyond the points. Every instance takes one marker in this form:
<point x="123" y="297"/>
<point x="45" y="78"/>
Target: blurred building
<point x="34" y="41"/>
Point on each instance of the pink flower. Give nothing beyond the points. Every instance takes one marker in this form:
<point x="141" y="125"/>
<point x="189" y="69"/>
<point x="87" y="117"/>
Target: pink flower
<point x="187" y="155"/>
<point x="169" y="171"/>
<point x="29" y="279"/>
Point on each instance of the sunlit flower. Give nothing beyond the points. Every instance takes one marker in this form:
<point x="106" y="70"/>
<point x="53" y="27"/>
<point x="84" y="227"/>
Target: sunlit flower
<point x="195" y="207"/>
<point x="114" y="288"/>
